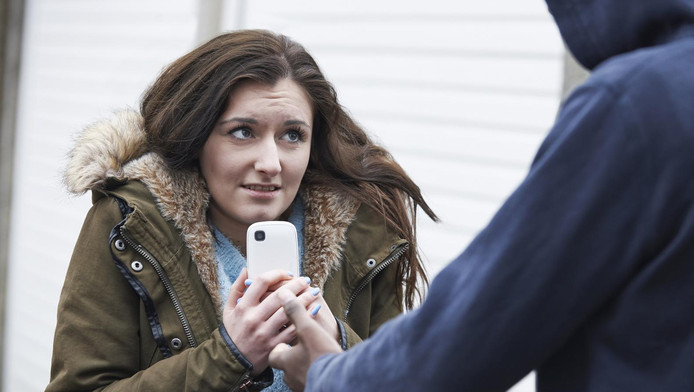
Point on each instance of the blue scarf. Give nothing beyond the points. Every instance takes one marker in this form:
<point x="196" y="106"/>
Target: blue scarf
<point x="230" y="262"/>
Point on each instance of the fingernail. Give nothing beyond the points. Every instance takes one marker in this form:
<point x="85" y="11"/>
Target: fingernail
<point x="315" y="310"/>
<point x="315" y="291"/>
<point x="290" y="274"/>
<point x="248" y="282"/>
<point x="307" y="279"/>
<point x="238" y="300"/>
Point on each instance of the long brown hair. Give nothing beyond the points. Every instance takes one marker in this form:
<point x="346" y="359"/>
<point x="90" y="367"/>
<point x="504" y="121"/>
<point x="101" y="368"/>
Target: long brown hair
<point x="183" y="105"/>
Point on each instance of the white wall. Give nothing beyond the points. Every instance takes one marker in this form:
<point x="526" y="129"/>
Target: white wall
<point x="81" y="60"/>
<point x="461" y="92"/>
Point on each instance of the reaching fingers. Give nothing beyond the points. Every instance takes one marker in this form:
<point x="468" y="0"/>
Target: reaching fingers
<point x="310" y="297"/>
<point x="308" y="329"/>
<point x="280" y="322"/>
<point x="311" y="301"/>
<point x="293" y="360"/>
<point x="286" y="335"/>
<point x="296" y="312"/>
<point x="280" y="350"/>
<point x="312" y="342"/>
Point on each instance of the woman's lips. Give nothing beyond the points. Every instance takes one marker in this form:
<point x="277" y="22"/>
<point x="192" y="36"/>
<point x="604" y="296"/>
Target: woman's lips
<point x="262" y="188"/>
<point x="263" y="191"/>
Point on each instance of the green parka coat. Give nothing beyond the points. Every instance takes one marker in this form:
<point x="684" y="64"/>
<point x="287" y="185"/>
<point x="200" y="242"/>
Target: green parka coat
<point x="140" y="309"/>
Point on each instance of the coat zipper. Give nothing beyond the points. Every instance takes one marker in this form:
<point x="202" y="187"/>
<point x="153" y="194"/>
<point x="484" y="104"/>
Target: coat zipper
<point x="375" y="271"/>
<point x="167" y="286"/>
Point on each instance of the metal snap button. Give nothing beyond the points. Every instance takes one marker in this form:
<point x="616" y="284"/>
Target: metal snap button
<point x="136" y="266"/>
<point x="120" y="244"/>
<point x="176" y="344"/>
<point x="370" y="263"/>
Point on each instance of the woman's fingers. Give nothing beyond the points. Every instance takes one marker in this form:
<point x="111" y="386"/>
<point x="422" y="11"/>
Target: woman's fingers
<point x="306" y="295"/>
<point x="277" y="285"/>
<point x="313" y="301"/>
<point x="274" y="288"/>
<point x="258" y="286"/>
<point x="237" y="289"/>
<point x="265" y="304"/>
<point x="309" y="296"/>
<point x="279" y="322"/>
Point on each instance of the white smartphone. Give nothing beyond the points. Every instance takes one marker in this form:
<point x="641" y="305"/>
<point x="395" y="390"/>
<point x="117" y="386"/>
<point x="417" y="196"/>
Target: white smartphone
<point x="272" y="245"/>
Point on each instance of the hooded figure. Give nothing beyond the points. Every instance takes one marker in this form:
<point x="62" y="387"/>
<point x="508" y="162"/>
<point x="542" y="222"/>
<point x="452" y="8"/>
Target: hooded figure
<point x="586" y="273"/>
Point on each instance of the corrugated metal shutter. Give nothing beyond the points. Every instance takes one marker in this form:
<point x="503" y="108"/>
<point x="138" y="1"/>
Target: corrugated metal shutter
<point x="81" y="60"/>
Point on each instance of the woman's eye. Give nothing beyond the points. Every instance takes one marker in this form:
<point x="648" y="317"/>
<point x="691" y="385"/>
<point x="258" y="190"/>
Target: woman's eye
<point x="293" y="136"/>
<point x="241" y="133"/>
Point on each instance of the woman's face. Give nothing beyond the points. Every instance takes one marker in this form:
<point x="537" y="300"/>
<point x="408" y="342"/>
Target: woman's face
<point x="257" y="154"/>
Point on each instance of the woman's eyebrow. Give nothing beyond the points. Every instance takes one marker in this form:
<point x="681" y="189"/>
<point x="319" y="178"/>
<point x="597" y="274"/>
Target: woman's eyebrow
<point x="240" y="119"/>
<point x="296" y="122"/>
<point x="249" y="120"/>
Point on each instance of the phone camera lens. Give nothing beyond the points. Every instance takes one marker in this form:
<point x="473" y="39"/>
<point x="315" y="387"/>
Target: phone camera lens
<point x="259" y="235"/>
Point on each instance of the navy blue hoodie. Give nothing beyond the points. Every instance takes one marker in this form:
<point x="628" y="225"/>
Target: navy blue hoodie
<point x="586" y="273"/>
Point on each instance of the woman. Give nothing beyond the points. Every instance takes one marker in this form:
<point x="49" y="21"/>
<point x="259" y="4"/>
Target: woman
<point x="242" y="129"/>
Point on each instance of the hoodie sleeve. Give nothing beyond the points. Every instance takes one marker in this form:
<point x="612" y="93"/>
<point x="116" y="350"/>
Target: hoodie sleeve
<point x="564" y="242"/>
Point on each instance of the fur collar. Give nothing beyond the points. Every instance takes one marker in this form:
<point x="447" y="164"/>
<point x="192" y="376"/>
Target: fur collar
<point x="115" y="149"/>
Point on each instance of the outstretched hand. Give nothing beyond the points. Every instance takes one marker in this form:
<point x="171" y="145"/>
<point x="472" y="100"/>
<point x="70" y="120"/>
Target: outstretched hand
<point x="312" y="342"/>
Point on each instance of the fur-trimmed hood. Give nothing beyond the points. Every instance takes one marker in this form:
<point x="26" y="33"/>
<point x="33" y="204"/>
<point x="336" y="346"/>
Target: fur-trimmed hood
<point x="115" y="150"/>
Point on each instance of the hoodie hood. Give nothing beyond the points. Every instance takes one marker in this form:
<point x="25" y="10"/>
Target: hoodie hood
<point x="595" y="30"/>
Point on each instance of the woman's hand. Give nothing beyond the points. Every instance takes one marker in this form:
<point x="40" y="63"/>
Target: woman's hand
<point x="255" y="320"/>
<point x="313" y="301"/>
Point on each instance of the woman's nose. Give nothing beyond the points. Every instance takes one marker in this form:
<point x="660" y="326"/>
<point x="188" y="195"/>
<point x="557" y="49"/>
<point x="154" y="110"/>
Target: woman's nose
<point x="268" y="159"/>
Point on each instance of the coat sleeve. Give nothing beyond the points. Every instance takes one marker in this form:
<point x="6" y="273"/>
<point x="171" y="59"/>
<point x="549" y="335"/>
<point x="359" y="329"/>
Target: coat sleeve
<point x="564" y="242"/>
<point x="97" y="337"/>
